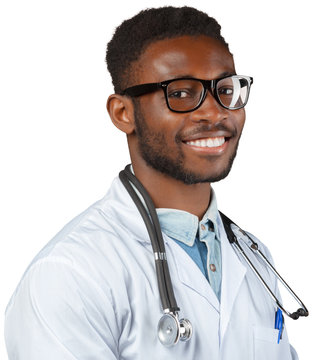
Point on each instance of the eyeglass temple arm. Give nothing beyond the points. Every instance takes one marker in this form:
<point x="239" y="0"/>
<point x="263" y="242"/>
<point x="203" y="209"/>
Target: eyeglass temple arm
<point x="139" y="90"/>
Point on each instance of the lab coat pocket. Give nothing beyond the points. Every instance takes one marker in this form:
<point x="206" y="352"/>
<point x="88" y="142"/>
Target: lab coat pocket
<point x="266" y="345"/>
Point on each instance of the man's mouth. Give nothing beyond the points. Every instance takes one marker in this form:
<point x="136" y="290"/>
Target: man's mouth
<point x="207" y="142"/>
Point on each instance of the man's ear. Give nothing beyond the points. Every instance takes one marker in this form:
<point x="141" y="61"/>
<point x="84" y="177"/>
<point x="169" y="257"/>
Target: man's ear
<point x="121" y="111"/>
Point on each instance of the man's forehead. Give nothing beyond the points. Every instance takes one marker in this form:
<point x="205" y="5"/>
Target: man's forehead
<point x="185" y="55"/>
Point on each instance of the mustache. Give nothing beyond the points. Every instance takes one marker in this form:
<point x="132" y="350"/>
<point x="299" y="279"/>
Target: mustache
<point x="201" y="128"/>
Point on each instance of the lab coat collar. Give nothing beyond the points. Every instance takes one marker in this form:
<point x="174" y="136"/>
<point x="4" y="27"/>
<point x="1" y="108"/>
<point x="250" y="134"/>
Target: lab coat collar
<point x="123" y="207"/>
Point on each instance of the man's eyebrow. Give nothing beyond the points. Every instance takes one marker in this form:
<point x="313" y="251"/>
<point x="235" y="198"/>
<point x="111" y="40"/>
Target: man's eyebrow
<point x="221" y="75"/>
<point x="181" y="76"/>
<point x="226" y="73"/>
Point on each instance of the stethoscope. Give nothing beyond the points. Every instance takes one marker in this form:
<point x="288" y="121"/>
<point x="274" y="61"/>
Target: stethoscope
<point x="171" y="329"/>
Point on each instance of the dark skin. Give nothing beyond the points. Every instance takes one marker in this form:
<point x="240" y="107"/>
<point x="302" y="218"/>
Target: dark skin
<point x="199" y="57"/>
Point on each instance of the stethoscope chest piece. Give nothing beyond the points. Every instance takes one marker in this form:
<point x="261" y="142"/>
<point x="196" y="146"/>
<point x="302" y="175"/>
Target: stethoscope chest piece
<point x="171" y="330"/>
<point x="168" y="330"/>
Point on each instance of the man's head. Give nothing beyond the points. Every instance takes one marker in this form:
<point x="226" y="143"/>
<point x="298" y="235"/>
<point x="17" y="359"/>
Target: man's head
<point x="133" y="36"/>
<point x="164" y="44"/>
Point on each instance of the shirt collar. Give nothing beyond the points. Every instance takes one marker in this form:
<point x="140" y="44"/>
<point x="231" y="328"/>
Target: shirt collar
<point x="212" y="214"/>
<point x="183" y="226"/>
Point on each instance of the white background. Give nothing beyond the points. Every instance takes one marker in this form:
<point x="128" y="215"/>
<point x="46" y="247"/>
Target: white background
<point x="59" y="151"/>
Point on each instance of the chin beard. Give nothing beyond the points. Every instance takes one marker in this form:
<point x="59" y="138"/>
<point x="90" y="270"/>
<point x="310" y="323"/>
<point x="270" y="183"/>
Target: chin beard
<point x="154" y="150"/>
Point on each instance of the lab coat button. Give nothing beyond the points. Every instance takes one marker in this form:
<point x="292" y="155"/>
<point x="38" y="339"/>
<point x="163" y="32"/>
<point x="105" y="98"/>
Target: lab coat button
<point x="202" y="227"/>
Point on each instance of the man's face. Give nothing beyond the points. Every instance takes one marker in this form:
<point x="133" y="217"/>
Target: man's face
<point x="177" y="144"/>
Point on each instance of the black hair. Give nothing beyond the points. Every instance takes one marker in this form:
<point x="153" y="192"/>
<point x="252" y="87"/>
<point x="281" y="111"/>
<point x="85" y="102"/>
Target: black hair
<point x="133" y="36"/>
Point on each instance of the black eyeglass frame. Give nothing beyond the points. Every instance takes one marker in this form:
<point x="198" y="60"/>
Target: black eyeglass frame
<point x="142" y="89"/>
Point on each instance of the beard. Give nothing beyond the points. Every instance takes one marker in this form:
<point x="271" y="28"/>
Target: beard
<point x="154" y="150"/>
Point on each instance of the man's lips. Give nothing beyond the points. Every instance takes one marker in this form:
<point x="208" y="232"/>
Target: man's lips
<point x="207" y="134"/>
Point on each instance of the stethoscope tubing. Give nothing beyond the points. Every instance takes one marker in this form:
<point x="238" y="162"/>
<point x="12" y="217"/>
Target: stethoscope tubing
<point x="168" y="300"/>
<point x="284" y="283"/>
<point x="254" y="248"/>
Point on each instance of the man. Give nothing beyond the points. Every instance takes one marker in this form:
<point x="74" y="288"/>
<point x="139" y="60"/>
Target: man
<point x="92" y="292"/>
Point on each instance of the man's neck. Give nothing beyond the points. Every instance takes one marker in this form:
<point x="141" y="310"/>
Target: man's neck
<point x="167" y="192"/>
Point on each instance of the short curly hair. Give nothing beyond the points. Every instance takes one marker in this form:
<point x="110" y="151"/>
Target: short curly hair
<point x="133" y="36"/>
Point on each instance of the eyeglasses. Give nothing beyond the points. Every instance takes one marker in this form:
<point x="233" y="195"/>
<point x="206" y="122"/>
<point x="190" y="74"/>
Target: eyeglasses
<point x="187" y="94"/>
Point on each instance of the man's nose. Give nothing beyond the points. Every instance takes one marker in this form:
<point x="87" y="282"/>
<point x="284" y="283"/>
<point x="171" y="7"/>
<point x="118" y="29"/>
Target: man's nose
<point x="210" y="110"/>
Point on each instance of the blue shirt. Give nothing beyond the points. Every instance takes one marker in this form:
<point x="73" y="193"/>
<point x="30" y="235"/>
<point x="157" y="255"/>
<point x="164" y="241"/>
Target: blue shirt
<point x="200" y="239"/>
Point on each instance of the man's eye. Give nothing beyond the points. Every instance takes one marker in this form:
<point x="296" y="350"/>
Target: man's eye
<point x="179" y="94"/>
<point x="225" y="91"/>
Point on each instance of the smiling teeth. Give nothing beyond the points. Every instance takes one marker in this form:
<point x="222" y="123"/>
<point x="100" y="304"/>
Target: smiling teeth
<point x="209" y="142"/>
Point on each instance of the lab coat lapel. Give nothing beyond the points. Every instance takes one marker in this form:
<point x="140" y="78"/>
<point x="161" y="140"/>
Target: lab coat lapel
<point x="233" y="273"/>
<point x="189" y="274"/>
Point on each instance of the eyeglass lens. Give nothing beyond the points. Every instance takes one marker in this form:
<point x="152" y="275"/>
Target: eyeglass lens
<point x="185" y="95"/>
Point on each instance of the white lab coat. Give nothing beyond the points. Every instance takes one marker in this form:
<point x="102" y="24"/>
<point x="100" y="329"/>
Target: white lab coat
<point x="92" y="293"/>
